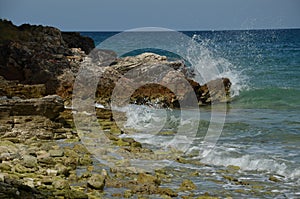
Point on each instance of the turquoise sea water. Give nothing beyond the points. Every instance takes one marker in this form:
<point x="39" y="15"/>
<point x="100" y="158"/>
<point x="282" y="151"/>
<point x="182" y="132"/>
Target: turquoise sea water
<point x="261" y="132"/>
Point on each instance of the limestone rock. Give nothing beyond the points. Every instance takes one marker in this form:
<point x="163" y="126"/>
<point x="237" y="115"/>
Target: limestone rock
<point x="144" y="178"/>
<point x="29" y="161"/>
<point x="49" y="106"/>
<point x="56" y="153"/>
<point x="96" y="181"/>
<point x="187" y="185"/>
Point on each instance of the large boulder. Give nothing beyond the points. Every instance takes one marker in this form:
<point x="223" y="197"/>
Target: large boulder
<point x="151" y="79"/>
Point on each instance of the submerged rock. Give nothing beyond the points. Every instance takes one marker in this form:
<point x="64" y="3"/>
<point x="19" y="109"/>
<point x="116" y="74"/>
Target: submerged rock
<point x="144" y="178"/>
<point x="187" y="185"/>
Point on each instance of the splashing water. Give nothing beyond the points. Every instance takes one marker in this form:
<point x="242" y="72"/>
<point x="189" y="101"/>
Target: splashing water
<point x="209" y="66"/>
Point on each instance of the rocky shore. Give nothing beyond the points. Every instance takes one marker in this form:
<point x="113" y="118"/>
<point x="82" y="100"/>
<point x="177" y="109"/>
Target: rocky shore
<point x="41" y="155"/>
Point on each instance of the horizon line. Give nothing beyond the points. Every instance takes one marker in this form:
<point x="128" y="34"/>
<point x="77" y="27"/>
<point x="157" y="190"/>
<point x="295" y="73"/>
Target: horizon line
<point x="173" y="29"/>
<point x="191" y="30"/>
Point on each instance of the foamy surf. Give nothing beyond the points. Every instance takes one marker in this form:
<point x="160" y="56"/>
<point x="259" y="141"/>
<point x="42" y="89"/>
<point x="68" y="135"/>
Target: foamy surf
<point x="249" y="162"/>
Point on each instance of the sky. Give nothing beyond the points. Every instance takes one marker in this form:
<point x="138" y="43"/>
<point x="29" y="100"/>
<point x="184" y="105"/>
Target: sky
<point x="108" y="15"/>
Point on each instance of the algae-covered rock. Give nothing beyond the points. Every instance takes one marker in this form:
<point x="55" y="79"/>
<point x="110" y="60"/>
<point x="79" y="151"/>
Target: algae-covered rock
<point x="144" y="178"/>
<point x="21" y="169"/>
<point x="29" y="161"/>
<point x="187" y="185"/>
<point x="61" y="184"/>
<point x="62" y="169"/>
<point x="274" y="179"/>
<point x="96" y="181"/>
<point x="56" y="153"/>
<point x="233" y="168"/>
<point x="85" y="160"/>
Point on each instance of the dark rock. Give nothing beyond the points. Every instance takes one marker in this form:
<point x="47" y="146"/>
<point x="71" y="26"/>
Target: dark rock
<point x="75" y="40"/>
<point x="33" y="54"/>
<point x="14" y="188"/>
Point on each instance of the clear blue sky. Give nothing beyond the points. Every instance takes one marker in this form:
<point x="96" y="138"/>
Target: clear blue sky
<point x="84" y="15"/>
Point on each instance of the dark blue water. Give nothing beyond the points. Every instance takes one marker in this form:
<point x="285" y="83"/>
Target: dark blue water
<point x="262" y="128"/>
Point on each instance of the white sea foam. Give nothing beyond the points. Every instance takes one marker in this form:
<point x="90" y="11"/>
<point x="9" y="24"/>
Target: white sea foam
<point x="209" y="66"/>
<point x="97" y="105"/>
<point x="250" y="162"/>
<point x="143" y="118"/>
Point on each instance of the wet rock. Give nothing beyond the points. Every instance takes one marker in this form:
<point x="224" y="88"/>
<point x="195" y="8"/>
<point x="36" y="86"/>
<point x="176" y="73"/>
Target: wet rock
<point x="127" y="194"/>
<point x="206" y="196"/>
<point x="85" y="160"/>
<point x="274" y="179"/>
<point x="230" y="178"/>
<point x="144" y="178"/>
<point x="96" y="181"/>
<point x="79" y="148"/>
<point x="187" y="185"/>
<point x="171" y="87"/>
<point x="233" y="168"/>
<point x="127" y="170"/>
<point x="167" y="192"/>
<point x="214" y="91"/>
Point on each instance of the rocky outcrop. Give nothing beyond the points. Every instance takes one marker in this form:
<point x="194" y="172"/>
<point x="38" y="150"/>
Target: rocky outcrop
<point x="22" y="119"/>
<point x="14" y="89"/>
<point x="49" y="106"/>
<point x="40" y="61"/>
<point x="75" y="40"/>
<point x="151" y="79"/>
<point x="39" y="55"/>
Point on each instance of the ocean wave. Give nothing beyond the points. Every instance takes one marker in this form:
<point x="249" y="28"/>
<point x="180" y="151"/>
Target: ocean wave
<point x="253" y="162"/>
<point x="272" y="97"/>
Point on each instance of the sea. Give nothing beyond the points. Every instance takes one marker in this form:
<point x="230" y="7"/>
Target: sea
<point x="259" y="130"/>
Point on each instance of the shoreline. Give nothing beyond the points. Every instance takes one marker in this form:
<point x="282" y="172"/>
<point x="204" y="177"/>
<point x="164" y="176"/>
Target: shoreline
<point x="42" y="155"/>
